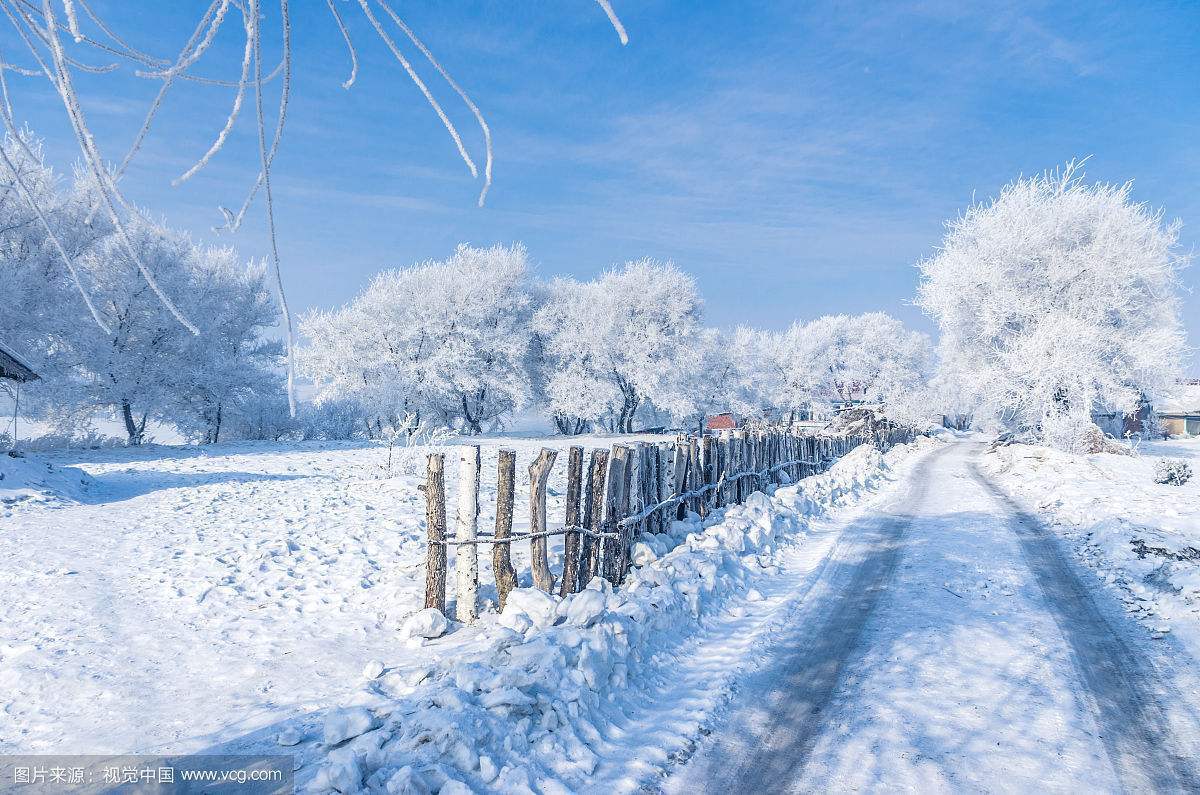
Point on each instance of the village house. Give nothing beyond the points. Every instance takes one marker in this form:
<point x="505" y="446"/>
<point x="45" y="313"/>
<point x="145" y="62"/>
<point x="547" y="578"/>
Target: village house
<point x="13" y="367"/>
<point x="1180" y="415"/>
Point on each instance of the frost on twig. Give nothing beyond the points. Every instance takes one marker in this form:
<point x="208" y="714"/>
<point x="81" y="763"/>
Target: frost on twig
<point x="41" y="32"/>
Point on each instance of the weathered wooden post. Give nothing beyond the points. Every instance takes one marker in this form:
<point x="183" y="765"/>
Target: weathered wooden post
<point x="695" y="472"/>
<point x="539" y="563"/>
<point x="635" y="471"/>
<point x="435" y="523"/>
<point x="502" y="568"/>
<point x="679" y="474"/>
<point x="654" y="488"/>
<point x="637" y="474"/>
<point x="593" y="518"/>
<point x="466" y="559"/>
<point x="664" y="482"/>
<point x="719" y="446"/>
<point x="701" y="454"/>
<point x="574" y="519"/>
<point x="737" y="455"/>
<point x="614" y="510"/>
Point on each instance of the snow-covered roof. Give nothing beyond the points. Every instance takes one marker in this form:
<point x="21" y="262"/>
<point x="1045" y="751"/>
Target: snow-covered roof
<point x="1184" y="400"/>
<point x="13" y="366"/>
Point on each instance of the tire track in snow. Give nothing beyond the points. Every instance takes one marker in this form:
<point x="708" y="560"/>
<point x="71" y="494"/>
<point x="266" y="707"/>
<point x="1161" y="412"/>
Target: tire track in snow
<point x="1121" y="683"/>
<point x="826" y="637"/>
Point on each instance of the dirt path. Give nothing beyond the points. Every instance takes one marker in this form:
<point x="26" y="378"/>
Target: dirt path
<point x="947" y="645"/>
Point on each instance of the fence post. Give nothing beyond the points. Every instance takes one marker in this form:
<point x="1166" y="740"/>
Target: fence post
<point x="681" y="457"/>
<point x="637" y="476"/>
<point x="435" y="522"/>
<point x="716" y="463"/>
<point x="695" y="478"/>
<point x="539" y="565"/>
<point x="614" y="509"/>
<point x="466" y="558"/>
<point x="571" y="544"/>
<point x="665" y="483"/>
<point x="593" y="518"/>
<point x="635" y="491"/>
<point x="737" y="460"/>
<point x="502" y="568"/>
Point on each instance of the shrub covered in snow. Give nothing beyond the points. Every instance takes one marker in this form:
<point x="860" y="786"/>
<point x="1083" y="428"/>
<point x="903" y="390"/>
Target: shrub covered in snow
<point x="1172" y="471"/>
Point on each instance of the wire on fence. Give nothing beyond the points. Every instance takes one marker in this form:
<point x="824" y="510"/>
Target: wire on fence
<point x="525" y="537"/>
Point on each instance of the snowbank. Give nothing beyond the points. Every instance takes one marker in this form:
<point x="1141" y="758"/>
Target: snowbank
<point x="28" y="479"/>
<point x="1140" y="538"/>
<point x="527" y="701"/>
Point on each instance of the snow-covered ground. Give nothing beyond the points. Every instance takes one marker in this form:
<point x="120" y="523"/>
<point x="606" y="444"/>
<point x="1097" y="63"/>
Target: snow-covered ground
<point x="252" y="598"/>
<point x="200" y="599"/>
<point x="1142" y="539"/>
<point x="176" y="597"/>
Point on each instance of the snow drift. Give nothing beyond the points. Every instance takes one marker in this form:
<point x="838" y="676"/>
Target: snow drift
<point x="24" y="479"/>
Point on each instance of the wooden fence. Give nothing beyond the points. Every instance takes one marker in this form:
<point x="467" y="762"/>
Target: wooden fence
<point x="631" y="489"/>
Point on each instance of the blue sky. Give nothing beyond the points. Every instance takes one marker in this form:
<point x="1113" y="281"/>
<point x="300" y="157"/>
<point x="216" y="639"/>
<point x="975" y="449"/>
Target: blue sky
<point x="796" y="158"/>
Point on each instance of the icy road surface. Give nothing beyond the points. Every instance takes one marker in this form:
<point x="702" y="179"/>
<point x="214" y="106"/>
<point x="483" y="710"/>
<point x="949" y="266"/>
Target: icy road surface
<point x="947" y="645"/>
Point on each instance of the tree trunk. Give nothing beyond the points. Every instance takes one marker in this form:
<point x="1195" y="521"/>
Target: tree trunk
<point x="216" y="434"/>
<point x="131" y="429"/>
<point x="473" y="423"/>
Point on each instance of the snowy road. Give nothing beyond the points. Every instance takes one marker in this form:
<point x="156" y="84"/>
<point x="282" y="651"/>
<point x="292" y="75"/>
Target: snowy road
<point x="947" y="644"/>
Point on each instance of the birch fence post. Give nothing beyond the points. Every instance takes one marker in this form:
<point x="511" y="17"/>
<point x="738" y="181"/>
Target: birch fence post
<point x="573" y="518"/>
<point x="593" y="518"/>
<point x="502" y="568"/>
<point x="539" y="564"/>
<point x="466" y="558"/>
<point x="435" y="523"/>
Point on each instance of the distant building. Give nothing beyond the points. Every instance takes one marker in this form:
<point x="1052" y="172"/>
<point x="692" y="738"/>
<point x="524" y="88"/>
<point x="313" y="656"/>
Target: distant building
<point x="721" y="422"/>
<point x="1180" y="415"/>
<point x="13" y="367"/>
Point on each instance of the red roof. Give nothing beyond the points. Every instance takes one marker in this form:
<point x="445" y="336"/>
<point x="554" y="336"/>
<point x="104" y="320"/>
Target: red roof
<point x="720" y="422"/>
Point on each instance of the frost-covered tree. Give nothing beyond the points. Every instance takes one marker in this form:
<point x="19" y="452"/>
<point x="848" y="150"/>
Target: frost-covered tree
<point x="145" y="366"/>
<point x="615" y="343"/>
<point x="1055" y="300"/>
<point x="151" y="367"/>
<point x="447" y="341"/>
<point x="41" y="288"/>
<point x="716" y="371"/>
<point x="838" y="358"/>
<point x="228" y="377"/>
